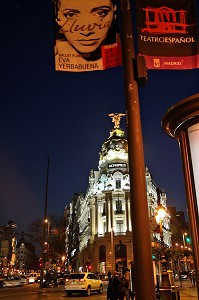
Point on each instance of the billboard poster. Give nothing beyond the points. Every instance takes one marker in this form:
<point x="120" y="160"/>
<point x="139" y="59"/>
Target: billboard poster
<point x="86" y="35"/>
<point x="167" y="34"/>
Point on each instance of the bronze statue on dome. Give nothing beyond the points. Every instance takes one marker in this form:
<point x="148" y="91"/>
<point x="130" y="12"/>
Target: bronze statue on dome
<point x="116" y="118"/>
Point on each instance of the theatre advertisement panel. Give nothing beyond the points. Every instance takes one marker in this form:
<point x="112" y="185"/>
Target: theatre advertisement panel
<point x="86" y="35"/>
<point x="167" y="34"/>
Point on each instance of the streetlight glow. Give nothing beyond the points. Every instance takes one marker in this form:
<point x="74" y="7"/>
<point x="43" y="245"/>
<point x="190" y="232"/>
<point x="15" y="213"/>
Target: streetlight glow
<point x="160" y="214"/>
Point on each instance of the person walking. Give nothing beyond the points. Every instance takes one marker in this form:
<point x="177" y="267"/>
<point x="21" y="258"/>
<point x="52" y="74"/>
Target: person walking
<point x="109" y="287"/>
<point x="55" y="280"/>
<point x="127" y="283"/>
<point x="116" y="287"/>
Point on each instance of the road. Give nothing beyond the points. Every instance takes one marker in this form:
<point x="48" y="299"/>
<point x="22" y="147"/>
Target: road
<point x="33" y="292"/>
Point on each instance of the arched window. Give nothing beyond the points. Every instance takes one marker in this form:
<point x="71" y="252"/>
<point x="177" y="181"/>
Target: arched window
<point x="102" y="253"/>
<point x="120" y="251"/>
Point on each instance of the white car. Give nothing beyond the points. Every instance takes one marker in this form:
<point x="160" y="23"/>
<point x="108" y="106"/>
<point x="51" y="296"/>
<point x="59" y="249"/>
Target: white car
<point x="83" y="283"/>
<point x="24" y="279"/>
<point x="13" y="281"/>
<point x="33" y="277"/>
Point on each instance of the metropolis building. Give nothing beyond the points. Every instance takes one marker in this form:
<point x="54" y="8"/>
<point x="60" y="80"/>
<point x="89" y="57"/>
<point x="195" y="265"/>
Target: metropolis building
<point x="99" y="235"/>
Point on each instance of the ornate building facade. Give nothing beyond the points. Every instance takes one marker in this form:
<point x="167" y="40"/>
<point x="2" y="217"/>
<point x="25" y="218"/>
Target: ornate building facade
<point x="99" y="236"/>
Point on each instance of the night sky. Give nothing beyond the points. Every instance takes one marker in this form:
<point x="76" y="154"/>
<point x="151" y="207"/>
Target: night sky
<point x="63" y="116"/>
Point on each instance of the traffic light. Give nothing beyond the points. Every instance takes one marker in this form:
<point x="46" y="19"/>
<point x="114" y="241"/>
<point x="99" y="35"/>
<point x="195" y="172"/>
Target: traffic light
<point x="40" y="262"/>
<point x="89" y="267"/>
<point x="188" y="239"/>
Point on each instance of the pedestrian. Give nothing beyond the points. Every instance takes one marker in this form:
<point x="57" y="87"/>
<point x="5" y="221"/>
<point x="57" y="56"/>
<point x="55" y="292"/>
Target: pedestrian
<point x="109" y="287"/>
<point x="109" y="274"/>
<point x="116" y="287"/>
<point x="121" y="288"/>
<point x="55" y="280"/>
<point x="127" y="283"/>
<point x="192" y="278"/>
<point x="48" y="279"/>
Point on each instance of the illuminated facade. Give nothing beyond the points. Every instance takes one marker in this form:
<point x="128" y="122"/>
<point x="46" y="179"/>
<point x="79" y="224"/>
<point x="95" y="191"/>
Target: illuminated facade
<point x="103" y="214"/>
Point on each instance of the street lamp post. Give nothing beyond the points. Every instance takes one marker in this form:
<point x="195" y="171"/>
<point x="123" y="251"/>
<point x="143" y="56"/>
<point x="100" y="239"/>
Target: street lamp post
<point x="165" y="282"/>
<point x="142" y="254"/>
<point x="45" y="222"/>
<point x="112" y="248"/>
<point x="183" y="237"/>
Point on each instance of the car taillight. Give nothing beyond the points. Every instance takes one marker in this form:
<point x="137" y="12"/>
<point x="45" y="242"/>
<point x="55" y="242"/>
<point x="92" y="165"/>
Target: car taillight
<point x="81" y="280"/>
<point x="67" y="280"/>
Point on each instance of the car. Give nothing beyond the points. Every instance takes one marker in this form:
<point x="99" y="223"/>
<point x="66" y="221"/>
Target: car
<point x="61" y="277"/>
<point x="83" y="283"/>
<point x="12" y="281"/>
<point x="104" y="277"/>
<point x="24" y="279"/>
<point x="1" y="283"/>
<point x="33" y="277"/>
<point x="184" y="275"/>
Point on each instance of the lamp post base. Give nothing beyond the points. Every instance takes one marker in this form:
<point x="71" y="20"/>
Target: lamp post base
<point x="165" y="294"/>
<point x="165" y="280"/>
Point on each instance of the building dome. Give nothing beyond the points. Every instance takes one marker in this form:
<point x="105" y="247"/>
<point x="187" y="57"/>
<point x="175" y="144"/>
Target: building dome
<point x="114" y="152"/>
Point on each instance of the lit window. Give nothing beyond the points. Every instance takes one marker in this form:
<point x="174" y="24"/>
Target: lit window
<point x="119" y="225"/>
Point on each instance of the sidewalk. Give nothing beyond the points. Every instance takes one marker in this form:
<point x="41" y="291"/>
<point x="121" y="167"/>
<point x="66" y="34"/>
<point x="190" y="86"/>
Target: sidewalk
<point x="186" y="291"/>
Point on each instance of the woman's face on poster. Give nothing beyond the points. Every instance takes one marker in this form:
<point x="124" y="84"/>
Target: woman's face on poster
<point x="85" y="23"/>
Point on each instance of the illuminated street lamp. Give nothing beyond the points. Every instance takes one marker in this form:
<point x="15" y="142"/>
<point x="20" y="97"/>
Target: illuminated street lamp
<point x="183" y="237"/>
<point x="161" y="213"/>
<point x="159" y="219"/>
<point x="182" y="122"/>
<point x="63" y="258"/>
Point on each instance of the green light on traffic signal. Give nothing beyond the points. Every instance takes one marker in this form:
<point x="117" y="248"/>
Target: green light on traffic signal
<point x="188" y="239"/>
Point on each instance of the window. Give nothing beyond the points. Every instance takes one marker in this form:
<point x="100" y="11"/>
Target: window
<point x="104" y="209"/>
<point x="104" y="225"/>
<point x="119" y="224"/>
<point x="120" y="250"/>
<point x="102" y="253"/>
<point x="118" y="206"/>
<point x="118" y="183"/>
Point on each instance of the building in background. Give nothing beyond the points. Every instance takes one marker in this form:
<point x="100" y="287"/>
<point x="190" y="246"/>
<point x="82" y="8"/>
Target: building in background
<point x="15" y="255"/>
<point x="7" y="246"/>
<point x="99" y="235"/>
<point x="26" y="258"/>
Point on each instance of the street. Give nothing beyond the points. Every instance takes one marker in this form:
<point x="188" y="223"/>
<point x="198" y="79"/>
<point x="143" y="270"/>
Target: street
<point x="32" y="292"/>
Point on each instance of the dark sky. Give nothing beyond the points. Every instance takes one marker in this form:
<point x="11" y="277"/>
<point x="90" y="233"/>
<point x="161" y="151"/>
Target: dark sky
<point x="64" y="115"/>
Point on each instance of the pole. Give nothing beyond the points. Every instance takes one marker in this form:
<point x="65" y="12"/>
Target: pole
<point x="144" y="277"/>
<point x="44" y="225"/>
<point x="161" y="237"/>
<point x="112" y="248"/>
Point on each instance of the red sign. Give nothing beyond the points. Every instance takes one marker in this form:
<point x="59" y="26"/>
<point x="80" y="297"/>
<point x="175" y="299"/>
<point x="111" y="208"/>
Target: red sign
<point x="167" y="34"/>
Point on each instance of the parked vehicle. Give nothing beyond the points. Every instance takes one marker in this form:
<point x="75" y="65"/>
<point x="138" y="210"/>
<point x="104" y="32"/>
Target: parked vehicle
<point x="1" y="283"/>
<point x="61" y="278"/>
<point x="11" y="281"/>
<point x="83" y="283"/>
<point x="24" y="279"/>
<point x="33" y="277"/>
<point x="104" y="277"/>
<point x="184" y="275"/>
